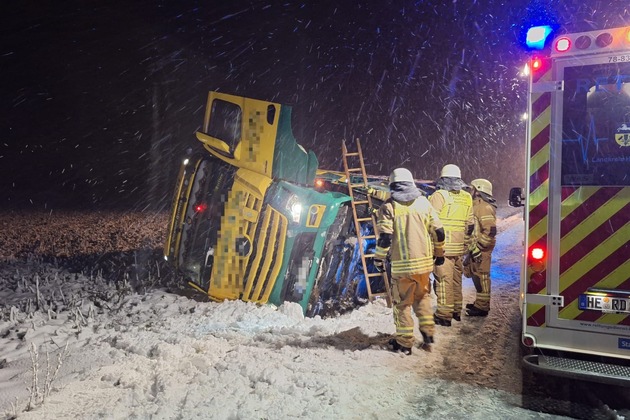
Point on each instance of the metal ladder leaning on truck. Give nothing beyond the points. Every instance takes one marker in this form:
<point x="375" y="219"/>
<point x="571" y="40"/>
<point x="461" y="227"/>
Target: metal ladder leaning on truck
<point x="575" y="277"/>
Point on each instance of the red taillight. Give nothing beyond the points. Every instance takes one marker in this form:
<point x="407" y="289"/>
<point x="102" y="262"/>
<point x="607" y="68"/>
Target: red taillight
<point x="319" y="183"/>
<point x="201" y="207"/>
<point x="528" y="341"/>
<point x="563" y="44"/>
<point x="537" y="262"/>
<point x="538" y="254"/>
<point x="536" y="64"/>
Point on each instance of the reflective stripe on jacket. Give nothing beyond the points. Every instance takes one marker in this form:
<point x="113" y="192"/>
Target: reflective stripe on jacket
<point x="412" y="226"/>
<point x="455" y="211"/>
<point x="485" y="215"/>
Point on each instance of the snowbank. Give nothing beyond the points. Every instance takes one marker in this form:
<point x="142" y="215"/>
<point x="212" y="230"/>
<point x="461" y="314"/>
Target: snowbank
<point x="163" y="355"/>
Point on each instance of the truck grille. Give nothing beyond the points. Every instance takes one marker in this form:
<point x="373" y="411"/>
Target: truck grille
<point x="266" y="259"/>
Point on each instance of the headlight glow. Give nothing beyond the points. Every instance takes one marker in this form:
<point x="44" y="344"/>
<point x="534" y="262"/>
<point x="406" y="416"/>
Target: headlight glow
<point x="296" y="212"/>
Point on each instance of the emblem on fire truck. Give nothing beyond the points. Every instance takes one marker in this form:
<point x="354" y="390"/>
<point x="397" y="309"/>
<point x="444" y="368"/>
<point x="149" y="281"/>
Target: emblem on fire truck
<point x="622" y="135"/>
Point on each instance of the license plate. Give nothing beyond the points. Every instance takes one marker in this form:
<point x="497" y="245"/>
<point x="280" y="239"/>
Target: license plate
<point x="608" y="304"/>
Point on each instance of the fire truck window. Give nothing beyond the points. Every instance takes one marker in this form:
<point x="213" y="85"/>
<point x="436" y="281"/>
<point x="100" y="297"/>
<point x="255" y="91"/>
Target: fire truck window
<point x="596" y="125"/>
<point x="225" y="122"/>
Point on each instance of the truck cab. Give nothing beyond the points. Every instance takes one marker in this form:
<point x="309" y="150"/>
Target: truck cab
<point x="246" y="221"/>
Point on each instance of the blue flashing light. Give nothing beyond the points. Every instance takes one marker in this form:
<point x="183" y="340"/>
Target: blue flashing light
<point x="537" y="36"/>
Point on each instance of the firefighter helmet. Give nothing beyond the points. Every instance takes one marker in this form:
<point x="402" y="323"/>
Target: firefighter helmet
<point x="482" y="185"/>
<point x="451" y="171"/>
<point x="401" y="174"/>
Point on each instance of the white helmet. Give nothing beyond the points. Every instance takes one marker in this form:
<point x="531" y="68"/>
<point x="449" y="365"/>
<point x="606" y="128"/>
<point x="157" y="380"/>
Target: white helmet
<point x="482" y="185"/>
<point x="401" y="174"/>
<point x="451" y="171"/>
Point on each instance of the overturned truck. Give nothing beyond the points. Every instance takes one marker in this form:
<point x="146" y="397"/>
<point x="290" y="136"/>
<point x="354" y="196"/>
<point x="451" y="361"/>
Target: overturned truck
<point x="254" y="219"/>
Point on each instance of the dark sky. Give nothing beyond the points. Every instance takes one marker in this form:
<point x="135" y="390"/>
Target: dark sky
<point x="99" y="99"/>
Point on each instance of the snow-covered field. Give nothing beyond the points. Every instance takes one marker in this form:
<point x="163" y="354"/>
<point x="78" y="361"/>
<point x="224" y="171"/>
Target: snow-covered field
<point x="75" y="346"/>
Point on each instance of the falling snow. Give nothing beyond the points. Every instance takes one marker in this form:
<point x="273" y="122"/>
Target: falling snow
<point x="100" y="100"/>
<point x="119" y="91"/>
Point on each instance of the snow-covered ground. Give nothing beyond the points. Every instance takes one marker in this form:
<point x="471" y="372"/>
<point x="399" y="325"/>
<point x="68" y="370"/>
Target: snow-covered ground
<point x="162" y="355"/>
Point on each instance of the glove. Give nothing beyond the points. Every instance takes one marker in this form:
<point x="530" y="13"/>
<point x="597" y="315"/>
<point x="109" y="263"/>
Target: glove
<point x="438" y="260"/>
<point x="475" y="255"/>
<point x="379" y="264"/>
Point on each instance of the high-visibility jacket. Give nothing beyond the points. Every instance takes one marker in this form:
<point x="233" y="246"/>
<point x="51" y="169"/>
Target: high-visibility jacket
<point x="412" y="227"/>
<point x="485" y="232"/>
<point x="455" y="211"/>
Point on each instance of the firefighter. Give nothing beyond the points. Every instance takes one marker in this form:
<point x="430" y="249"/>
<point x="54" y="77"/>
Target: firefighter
<point x="411" y="231"/>
<point x="481" y="246"/>
<point x="454" y="207"/>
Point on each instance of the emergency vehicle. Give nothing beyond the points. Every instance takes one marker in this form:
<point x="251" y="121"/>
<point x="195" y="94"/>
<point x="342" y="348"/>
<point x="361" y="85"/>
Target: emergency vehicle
<point x="575" y="279"/>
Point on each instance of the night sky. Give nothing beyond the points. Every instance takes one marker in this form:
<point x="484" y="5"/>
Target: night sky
<point x="100" y="99"/>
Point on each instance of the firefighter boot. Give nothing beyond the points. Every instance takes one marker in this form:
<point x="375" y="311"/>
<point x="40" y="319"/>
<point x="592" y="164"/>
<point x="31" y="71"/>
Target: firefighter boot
<point x="457" y="316"/>
<point x="441" y="321"/>
<point x="470" y="305"/>
<point x="395" y="347"/>
<point x="476" y="312"/>
<point x="427" y="339"/>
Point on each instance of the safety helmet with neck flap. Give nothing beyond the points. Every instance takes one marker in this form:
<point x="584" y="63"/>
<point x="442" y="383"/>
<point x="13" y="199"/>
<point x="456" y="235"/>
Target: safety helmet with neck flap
<point x="451" y="171"/>
<point x="401" y="175"/>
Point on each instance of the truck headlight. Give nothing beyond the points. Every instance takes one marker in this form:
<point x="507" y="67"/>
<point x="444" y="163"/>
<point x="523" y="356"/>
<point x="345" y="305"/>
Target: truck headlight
<point x="296" y="212"/>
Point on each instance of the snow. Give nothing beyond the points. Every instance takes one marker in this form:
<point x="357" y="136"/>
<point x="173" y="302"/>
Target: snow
<point x="161" y="355"/>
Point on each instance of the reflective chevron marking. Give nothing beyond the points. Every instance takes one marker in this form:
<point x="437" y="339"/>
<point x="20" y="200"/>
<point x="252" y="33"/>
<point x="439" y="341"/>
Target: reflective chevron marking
<point x="600" y="253"/>
<point x="539" y="154"/>
<point x="576" y="197"/>
<point x="571" y="311"/>
<point x="539" y="161"/>
<point x="591" y="221"/>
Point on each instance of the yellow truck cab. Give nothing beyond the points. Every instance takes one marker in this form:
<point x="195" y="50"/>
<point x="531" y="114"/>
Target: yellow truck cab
<point x="246" y="221"/>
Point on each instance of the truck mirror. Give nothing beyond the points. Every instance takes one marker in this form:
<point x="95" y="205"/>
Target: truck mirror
<point x="516" y="197"/>
<point x="217" y="145"/>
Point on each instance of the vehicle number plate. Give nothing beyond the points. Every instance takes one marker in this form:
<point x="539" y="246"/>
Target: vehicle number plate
<point x="606" y="304"/>
<point x="624" y="58"/>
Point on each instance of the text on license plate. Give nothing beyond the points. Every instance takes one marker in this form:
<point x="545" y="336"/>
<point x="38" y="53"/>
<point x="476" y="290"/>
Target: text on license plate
<point x="604" y="303"/>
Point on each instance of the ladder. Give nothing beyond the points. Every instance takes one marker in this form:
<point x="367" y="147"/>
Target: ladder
<point x="359" y="220"/>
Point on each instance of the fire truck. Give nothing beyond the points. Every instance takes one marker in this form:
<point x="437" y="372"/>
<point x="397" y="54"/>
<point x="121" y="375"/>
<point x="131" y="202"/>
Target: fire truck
<point x="575" y="278"/>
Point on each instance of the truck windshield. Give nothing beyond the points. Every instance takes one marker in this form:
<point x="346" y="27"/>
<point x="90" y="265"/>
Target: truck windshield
<point x="210" y="186"/>
<point x="596" y="125"/>
<point x="225" y="122"/>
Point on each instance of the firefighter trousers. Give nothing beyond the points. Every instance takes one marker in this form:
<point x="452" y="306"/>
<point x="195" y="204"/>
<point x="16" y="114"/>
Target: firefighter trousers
<point x="481" y="280"/>
<point x="412" y="292"/>
<point x="448" y="287"/>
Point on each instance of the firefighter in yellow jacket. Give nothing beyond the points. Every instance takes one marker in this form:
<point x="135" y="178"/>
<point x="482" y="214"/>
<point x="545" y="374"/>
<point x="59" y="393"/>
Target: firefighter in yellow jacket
<point x="454" y="207"/>
<point x="411" y="231"/>
<point x="481" y="246"/>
